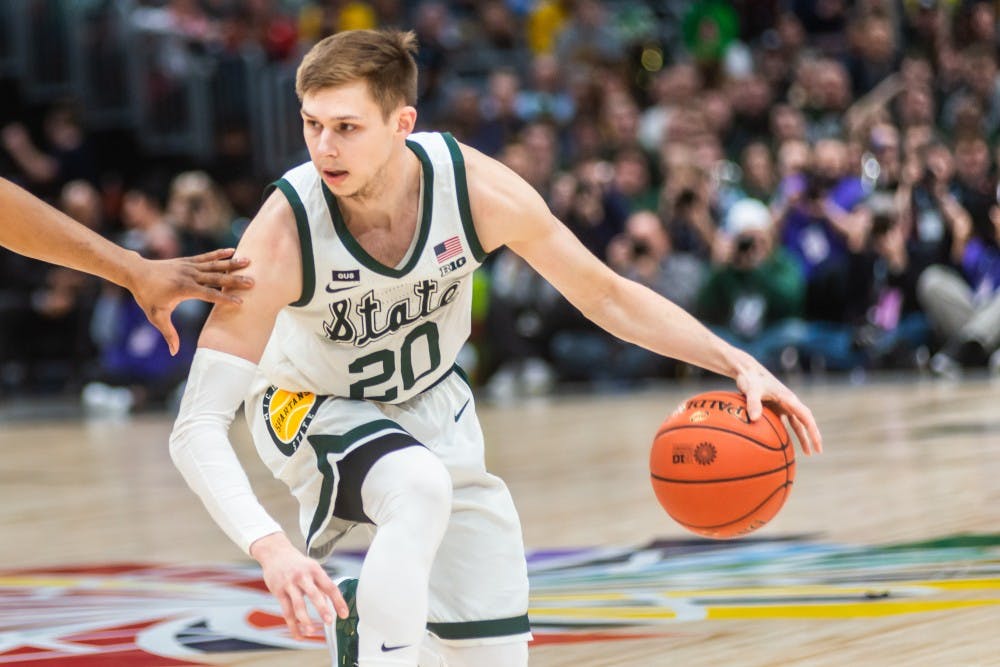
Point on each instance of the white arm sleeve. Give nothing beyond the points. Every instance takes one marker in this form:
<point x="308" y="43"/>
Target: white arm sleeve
<point x="200" y="448"/>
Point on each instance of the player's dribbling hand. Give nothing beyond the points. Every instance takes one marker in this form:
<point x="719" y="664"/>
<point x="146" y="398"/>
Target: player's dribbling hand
<point x="759" y="385"/>
<point x="293" y="578"/>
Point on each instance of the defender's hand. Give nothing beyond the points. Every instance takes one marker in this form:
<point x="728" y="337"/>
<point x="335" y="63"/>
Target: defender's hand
<point x="159" y="285"/>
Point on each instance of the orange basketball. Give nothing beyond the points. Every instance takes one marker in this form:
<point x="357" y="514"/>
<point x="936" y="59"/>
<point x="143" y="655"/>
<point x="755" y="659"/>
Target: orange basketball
<point x="716" y="473"/>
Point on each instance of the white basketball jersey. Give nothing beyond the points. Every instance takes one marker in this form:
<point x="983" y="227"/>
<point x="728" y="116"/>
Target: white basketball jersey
<point x="363" y="330"/>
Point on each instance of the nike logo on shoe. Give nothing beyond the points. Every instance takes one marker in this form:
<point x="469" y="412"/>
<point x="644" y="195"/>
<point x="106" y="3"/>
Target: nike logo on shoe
<point x="458" y="415"/>
<point x="386" y="649"/>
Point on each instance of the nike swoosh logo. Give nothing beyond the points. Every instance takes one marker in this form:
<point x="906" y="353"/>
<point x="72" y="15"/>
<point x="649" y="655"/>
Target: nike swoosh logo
<point x="386" y="649"/>
<point x="458" y="415"/>
<point x="339" y="289"/>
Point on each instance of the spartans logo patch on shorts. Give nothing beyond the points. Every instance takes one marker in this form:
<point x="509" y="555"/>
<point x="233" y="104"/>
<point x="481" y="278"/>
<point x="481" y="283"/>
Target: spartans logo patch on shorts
<point x="287" y="415"/>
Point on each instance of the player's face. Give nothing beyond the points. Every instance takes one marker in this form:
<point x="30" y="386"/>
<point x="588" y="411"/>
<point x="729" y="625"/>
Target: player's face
<point x="348" y="138"/>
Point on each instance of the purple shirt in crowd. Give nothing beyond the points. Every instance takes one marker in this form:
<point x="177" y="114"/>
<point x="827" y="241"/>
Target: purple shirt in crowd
<point x="813" y="241"/>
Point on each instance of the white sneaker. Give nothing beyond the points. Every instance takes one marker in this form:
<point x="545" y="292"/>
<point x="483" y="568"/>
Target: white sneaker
<point x="104" y="400"/>
<point x="537" y="377"/>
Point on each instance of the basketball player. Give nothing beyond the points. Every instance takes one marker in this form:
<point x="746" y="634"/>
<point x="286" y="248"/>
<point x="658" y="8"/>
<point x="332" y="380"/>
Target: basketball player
<point x="345" y="356"/>
<point x="32" y="228"/>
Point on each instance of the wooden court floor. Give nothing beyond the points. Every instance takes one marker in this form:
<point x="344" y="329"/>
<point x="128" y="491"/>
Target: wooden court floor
<point x="887" y="552"/>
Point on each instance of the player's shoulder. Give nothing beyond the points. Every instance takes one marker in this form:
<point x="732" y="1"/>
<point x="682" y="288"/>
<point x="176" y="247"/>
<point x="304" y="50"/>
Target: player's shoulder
<point x="493" y="182"/>
<point x="273" y="228"/>
<point x="505" y="207"/>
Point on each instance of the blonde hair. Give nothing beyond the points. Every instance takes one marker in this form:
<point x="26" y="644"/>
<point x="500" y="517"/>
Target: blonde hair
<point x="382" y="58"/>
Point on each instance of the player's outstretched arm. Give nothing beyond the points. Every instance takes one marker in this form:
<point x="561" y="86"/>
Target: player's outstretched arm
<point x="224" y="366"/>
<point x="507" y="211"/>
<point x="30" y="227"/>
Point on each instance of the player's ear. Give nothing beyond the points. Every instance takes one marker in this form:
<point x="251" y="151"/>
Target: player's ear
<point x="406" y="120"/>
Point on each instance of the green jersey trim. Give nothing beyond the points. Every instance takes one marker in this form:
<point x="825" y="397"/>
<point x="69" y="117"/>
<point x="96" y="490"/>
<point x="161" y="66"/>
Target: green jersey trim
<point x="325" y="445"/>
<point x="499" y="627"/>
<point x="305" y="241"/>
<point x="355" y="248"/>
<point x="462" y="190"/>
<point x="461" y="373"/>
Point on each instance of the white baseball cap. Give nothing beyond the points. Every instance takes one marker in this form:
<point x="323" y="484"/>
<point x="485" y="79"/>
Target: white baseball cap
<point x="747" y="215"/>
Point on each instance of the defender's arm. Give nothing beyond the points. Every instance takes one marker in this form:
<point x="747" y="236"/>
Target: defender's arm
<point x="32" y="228"/>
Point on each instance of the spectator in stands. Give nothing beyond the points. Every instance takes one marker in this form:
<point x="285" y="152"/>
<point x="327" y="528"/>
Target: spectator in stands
<point x="521" y="316"/>
<point x="964" y="307"/>
<point x="545" y="23"/>
<point x="825" y="227"/>
<point x="787" y="124"/>
<point x="547" y="98"/>
<point x="598" y="211"/>
<point x="754" y="285"/>
<point x="500" y="122"/>
<point x="892" y="328"/>
<point x="980" y="86"/>
<point x="973" y="183"/>
<point x="634" y="180"/>
<point x="751" y="99"/>
<point x="439" y="37"/>
<point x="825" y="90"/>
<point x="200" y="213"/>
<point x="874" y="52"/>
<point x="135" y="367"/>
<point x="65" y="154"/>
<point x="923" y="199"/>
<point x="542" y="145"/>
<point x="759" y="179"/>
<point x="588" y="36"/>
<point x="673" y="87"/>
<point x="620" y="120"/>
<point x="825" y="23"/>
<point x="643" y="253"/>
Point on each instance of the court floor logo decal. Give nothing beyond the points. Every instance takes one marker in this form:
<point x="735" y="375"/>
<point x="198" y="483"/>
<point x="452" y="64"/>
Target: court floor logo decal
<point x="142" y="615"/>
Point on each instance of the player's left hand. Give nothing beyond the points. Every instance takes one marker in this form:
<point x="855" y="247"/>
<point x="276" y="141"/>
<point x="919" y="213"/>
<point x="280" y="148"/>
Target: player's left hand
<point x="760" y="386"/>
<point x="159" y="285"/>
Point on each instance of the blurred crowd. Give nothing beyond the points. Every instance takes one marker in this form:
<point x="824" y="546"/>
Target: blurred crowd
<point x="815" y="179"/>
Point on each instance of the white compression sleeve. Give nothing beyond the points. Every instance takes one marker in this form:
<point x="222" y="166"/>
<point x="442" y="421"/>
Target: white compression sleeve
<point x="200" y="448"/>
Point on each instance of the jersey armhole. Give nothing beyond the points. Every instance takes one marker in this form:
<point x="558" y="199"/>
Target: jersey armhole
<point x="462" y="191"/>
<point x="305" y="239"/>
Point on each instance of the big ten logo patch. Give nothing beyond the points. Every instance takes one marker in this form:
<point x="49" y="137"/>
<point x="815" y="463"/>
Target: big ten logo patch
<point x="452" y="266"/>
<point x="288" y="415"/>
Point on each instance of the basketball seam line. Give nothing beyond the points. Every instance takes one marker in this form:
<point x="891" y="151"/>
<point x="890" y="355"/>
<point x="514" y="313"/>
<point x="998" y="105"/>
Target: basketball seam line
<point x="784" y="445"/>
<point x="723" y="479"/>
<point x="738" y="519"/>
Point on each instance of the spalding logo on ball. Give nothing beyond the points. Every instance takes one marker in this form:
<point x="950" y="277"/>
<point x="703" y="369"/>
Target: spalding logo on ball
<point x="717" y="473"/>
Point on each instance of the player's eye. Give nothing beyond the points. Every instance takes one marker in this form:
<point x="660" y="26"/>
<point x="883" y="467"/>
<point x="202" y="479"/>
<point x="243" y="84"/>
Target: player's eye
<point x="313" y="124"/>
<point x="348" y="127"/>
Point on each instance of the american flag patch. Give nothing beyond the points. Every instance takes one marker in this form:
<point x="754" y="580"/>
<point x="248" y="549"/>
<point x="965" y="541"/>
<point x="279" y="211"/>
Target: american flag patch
<point x="450" y="248"/>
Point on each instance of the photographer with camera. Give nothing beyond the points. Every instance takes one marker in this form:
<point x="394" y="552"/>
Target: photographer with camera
<point x="926" y="201"/>
<point x="644" y="253"/>
<point x="824" y="227"/>
<point x="891" y="328"/>
<point x="755" y="287"/>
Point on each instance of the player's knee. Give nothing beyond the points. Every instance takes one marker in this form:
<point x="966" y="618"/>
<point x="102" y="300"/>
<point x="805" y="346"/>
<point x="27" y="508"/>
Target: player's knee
<point x="428" y="487"/>
<point x="410" y="483"/>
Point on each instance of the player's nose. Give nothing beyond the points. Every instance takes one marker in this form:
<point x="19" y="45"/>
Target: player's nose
<point x="327" y="144"/>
